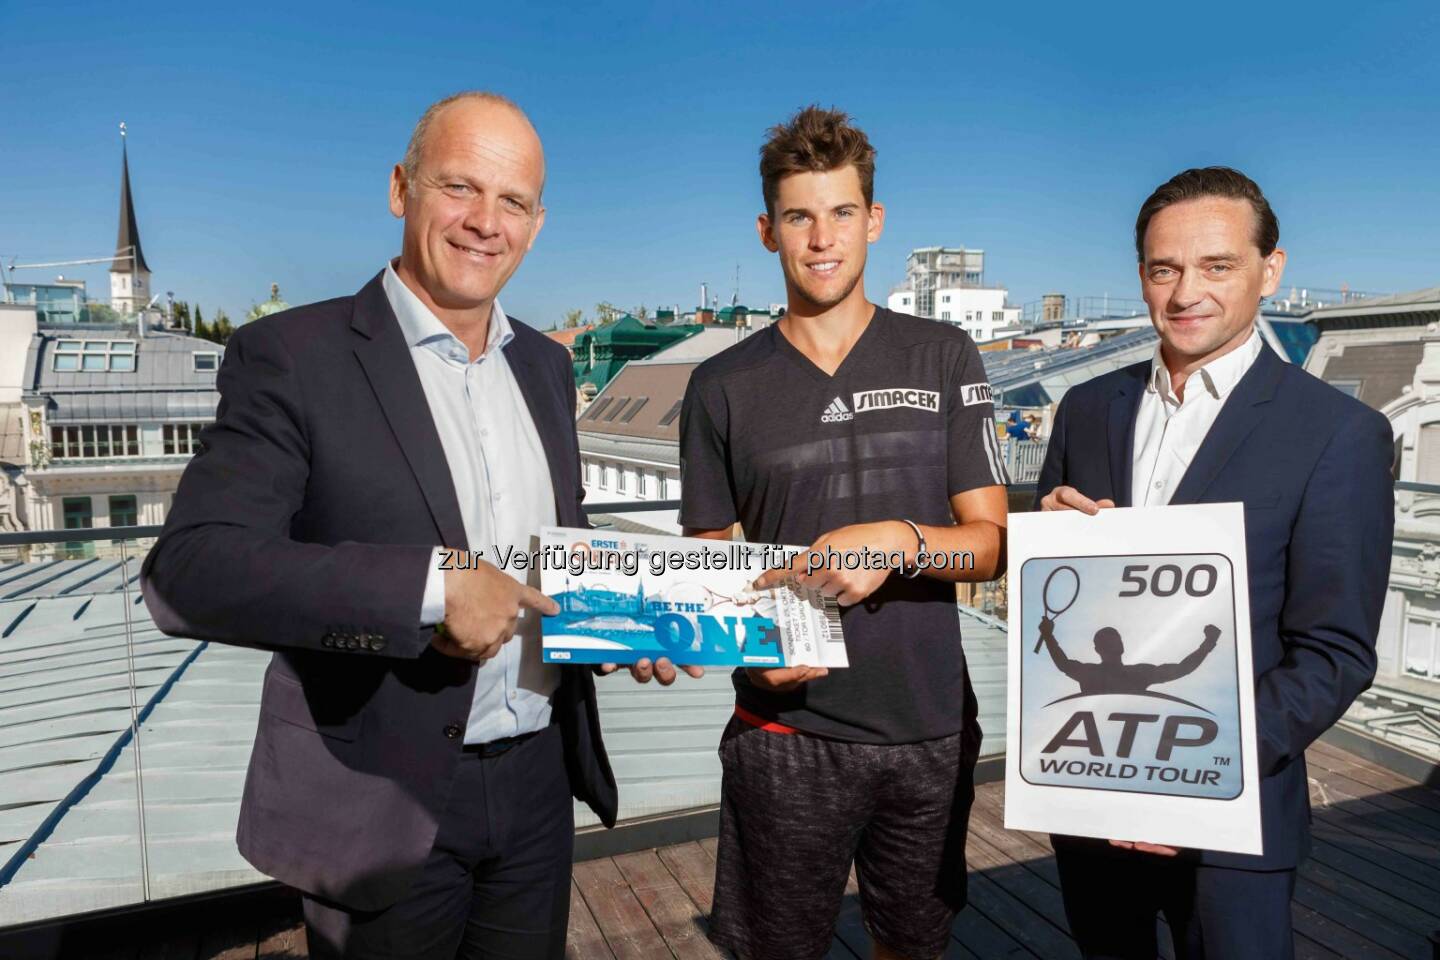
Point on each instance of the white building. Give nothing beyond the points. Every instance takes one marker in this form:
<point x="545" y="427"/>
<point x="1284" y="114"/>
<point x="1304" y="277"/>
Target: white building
<point x="1386" y="352"/>
<point x="981" y="311"/>
<point x="630" y="439"/>
<point x="948" y="284"/>
<point x="97" y="420"/>
<point x="111" y="416"/>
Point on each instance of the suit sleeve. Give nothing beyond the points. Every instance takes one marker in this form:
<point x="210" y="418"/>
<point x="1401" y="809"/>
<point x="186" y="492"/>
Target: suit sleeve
<point x="1052" y="471"/>
<point x="1338" y="565"/>
<point x="225" y="566"/>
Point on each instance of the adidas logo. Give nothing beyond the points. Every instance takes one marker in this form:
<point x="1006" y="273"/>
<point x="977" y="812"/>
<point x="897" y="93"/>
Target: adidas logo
<point x="837" y="412"/>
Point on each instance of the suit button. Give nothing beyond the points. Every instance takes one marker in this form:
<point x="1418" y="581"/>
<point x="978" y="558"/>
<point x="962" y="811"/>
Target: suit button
<point x="452" y="731"/>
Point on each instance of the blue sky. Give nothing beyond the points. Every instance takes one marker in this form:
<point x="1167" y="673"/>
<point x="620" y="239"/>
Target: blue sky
<point x="261" y="136"/>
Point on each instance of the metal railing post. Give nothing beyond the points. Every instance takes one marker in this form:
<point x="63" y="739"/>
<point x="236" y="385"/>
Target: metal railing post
<point x="135" y="720"/>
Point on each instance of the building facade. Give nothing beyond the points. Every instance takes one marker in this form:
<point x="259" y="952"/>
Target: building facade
<point x="630" y="439"/>
<point x="948" y="284"/>
<point x="982" y="312"/>
<point x="1386" y="352"/>
<point x="97" y="420"/>
<point x="111" y="417"/>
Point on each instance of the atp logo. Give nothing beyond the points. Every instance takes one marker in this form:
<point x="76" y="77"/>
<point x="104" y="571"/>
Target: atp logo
<point x="1132" y="682"/>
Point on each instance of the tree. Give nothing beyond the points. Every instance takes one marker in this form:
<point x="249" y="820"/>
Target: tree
<point x="218" y="330"/>
<point x="181" y="315"/>
<point x="573" y="319"/>
<point x="102" y="313"/>
<point x="607" y="313"/>
<point x="640" y="313"/>
<point x="221" y="328"/>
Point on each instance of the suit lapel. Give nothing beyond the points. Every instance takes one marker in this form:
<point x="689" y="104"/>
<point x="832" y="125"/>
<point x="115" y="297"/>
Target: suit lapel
<point x="1121" y="436"/>
<point x="386" y="359"/>
<point x="1238" y="417"/>
<point x="549" y="418"/>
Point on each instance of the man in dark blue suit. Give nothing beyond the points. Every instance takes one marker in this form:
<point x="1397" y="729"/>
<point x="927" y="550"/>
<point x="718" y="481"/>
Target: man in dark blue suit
<point x="415" y="760"/>
<point x="1217" y="417"/>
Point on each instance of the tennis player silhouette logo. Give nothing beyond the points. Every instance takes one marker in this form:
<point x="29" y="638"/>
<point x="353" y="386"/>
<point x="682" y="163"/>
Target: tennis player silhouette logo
<point x="1111" y="674"/>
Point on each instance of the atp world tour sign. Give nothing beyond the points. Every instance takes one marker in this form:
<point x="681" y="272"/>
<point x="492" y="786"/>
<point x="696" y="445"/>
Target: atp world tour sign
<point x="1131" y="693"/>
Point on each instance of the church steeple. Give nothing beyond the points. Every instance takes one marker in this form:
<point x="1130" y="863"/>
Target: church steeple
<point x="129" y="278"/>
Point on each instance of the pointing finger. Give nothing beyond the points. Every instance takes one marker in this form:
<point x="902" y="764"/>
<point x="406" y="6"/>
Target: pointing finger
<point x="535" y="600"/>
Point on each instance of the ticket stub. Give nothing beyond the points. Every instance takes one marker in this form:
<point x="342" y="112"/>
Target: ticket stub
<point x="626" y="597"/>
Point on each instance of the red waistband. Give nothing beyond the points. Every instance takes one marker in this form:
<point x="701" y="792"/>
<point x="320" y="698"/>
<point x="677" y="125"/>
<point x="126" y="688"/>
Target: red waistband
<point x="758" y="721"/>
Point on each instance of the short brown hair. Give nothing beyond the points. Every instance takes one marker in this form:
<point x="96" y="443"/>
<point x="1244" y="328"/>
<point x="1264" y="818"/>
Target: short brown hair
<point x="1200" y="182"/>
<point x="815" y="141"/>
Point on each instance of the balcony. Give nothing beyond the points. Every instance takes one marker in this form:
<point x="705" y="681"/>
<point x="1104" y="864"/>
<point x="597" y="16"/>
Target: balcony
<point x="123" y="751"/>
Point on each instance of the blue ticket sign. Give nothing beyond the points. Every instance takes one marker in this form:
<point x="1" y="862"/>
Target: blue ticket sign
<point x="628" y="597"/>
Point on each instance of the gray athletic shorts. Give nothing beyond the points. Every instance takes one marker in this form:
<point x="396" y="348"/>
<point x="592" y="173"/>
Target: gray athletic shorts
<point x="797" y="810"/>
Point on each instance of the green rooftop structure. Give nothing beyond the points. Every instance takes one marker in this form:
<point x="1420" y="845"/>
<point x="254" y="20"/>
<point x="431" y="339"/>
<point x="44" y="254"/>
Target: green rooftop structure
<point x="734" y="315"/>
<point x="600" y="353"/>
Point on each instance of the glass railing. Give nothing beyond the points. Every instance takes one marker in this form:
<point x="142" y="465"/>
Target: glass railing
<point x="123" y="751"/>
<point x="82" y="670"/>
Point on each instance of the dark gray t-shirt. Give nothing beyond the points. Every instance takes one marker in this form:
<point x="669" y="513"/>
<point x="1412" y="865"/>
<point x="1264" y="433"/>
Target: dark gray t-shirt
<point x="769" y="439"/>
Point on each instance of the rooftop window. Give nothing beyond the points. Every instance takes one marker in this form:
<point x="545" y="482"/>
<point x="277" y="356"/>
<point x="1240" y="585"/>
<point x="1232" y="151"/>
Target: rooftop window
<point x="634" y="409"/>
<point x="94" y="356"/>
<point x="95" y="441"/>
<point x="206" y="360"/>
<point x="181" y="438"/>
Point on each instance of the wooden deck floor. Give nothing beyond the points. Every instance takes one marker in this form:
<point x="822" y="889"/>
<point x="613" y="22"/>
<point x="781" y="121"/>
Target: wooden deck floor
<point x="1371" y="889"/>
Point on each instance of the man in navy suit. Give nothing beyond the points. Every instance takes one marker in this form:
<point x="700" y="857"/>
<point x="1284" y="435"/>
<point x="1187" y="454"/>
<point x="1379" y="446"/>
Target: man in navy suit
<point x="1217" y="417"/>
<point x="415" y="760"/>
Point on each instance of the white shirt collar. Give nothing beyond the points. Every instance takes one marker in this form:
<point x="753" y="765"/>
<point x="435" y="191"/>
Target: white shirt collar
<point x="422" y="328"/>
<point x="1219" y="376"/>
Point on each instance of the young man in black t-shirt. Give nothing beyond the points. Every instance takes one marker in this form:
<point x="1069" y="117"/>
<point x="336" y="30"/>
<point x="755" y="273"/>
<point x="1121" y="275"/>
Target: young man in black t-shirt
<point x="849" y="427"/>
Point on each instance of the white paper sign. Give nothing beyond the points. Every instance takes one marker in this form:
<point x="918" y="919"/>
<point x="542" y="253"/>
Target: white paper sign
<point x="1131" y="693"/>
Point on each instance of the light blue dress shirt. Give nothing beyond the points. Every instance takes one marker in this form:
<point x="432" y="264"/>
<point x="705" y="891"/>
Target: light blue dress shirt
<point x="502" y="481"/>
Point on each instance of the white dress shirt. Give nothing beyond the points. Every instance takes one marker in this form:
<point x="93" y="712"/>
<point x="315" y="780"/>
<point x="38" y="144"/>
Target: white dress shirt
<point x="502" y="481"/>
<point x="1169" y="431"/>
